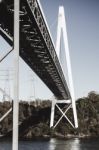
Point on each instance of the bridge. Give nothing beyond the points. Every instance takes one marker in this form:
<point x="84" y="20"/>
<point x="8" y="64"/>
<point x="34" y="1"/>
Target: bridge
<point x="37" y="49"/>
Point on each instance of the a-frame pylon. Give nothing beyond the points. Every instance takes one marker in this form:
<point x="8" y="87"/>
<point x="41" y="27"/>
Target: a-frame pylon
<point x="61" y="29"/>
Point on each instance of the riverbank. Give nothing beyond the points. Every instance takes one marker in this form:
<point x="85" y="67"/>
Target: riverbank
<point x="34" y="119"/>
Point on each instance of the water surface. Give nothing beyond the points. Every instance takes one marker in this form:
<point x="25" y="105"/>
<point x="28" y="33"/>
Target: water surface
<point x="54" y="144"/>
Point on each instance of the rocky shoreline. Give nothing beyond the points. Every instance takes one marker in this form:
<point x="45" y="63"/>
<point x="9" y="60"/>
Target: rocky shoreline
<point x="34" y="119"/>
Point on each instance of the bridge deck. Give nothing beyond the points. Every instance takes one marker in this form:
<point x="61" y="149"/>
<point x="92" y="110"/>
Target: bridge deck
<point x="36" y="46"/>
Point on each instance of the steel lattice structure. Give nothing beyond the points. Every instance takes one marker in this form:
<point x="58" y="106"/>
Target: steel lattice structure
<point x="36" y="46"/>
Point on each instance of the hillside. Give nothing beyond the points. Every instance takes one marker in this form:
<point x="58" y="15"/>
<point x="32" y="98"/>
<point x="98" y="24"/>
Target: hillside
<point x="34" y="119"/>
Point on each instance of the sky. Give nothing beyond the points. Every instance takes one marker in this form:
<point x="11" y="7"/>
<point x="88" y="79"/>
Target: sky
<point x="82" y="19"/>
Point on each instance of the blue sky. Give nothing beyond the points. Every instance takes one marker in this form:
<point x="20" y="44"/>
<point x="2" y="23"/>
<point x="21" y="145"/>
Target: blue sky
<point x="82" y="17"/>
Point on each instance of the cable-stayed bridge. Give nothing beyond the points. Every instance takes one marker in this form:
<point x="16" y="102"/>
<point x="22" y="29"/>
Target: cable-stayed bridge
<point x="37" y="49"/>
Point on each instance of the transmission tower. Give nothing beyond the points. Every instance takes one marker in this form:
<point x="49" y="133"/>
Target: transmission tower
<point x="5" y="78"/>
<point x="32" y="88"/>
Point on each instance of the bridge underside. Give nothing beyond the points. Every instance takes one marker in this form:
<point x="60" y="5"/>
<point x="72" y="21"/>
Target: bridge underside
<point x="36" y="46"/>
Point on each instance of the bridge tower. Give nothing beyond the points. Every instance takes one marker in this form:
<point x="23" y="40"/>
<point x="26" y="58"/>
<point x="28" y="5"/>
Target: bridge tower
<point x="61" y="29"/>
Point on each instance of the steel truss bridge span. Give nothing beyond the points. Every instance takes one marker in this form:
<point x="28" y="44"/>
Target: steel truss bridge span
<point x="36" y="45"/>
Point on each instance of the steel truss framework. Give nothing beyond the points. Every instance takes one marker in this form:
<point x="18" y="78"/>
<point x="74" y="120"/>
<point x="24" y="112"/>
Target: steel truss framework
<point x="36" y="45"/>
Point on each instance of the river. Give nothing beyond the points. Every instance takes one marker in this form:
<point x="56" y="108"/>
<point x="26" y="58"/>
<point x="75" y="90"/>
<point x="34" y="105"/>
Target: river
<point x="54" y="144"/>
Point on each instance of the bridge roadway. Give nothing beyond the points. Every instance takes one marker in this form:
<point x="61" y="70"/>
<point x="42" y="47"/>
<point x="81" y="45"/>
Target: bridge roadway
<point x="36" y="45"/>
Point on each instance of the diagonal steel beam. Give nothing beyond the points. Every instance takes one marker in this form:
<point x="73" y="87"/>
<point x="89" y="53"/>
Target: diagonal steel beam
<point x="65" y="116"/>
<point x="62" y="116"/>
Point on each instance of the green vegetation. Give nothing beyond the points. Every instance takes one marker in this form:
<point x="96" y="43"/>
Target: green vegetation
<point x="34" y="119"/>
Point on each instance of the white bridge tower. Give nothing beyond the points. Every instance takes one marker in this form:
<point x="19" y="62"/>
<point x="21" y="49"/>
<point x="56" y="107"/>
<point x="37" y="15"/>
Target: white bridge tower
<point x="61" y="29"/>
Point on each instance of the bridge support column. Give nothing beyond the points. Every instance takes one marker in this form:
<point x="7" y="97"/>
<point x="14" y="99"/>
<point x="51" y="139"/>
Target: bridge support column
<point x="52" y="114"/>
<point x="61" y="29"/>
<point x="67" y="106"/>
<point x="16" y="75"/>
